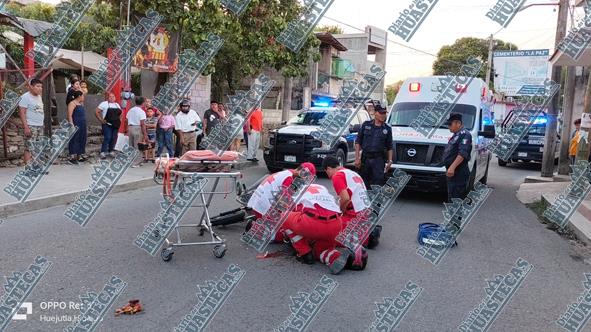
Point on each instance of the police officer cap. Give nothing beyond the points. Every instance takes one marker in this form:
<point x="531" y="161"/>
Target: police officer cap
<point x="381" y="109"/>
<point x="453" y="117"/>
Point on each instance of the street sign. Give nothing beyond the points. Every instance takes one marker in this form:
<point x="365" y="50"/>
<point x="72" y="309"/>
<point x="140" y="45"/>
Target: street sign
<point x="520" y="73"/>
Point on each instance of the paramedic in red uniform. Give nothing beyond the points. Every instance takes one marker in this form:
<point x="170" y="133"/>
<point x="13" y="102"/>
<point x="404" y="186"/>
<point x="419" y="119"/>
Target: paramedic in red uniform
<point x="353" y="197"/>
<point x="349" y="187"/>
<point x="260" y="201"/>
<point x="317" y="219"/>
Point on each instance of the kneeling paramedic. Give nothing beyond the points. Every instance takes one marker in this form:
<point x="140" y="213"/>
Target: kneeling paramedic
<point x="264" y="195"/>
<point x="317" y="219"/>
<point x="353" y="197"/>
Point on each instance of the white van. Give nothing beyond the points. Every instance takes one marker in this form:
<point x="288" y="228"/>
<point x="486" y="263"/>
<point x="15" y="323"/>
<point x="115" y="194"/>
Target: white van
<point x="422" y="157"/>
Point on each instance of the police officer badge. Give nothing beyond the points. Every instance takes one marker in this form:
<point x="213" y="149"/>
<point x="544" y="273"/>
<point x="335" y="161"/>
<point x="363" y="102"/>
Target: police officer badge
<point x="385" y="132"/>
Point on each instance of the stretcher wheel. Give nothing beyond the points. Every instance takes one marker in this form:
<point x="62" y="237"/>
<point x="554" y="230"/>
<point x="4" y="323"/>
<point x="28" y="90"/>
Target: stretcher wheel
<point x="219" y="250"/>
<point x="166" y="254"/>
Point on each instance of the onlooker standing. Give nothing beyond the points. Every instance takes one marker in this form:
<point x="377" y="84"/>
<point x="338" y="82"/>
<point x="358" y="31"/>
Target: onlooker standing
<point x="235" y="144"/>
<point x="166" y="125"/>
<point x="222" y="111"/>
<point x="148" y="105"/>
<point x="72" y="78"/>
<point x="84" y="87"/>
<point x="151" y="123"/>
<point x="77" y="117"/>
<point x="211" y="117"/>
<point x="109" y="114"/>
<point x="186" y="124"/>
<point x="136" y="126"/>
<point x="31" y="114"/>
<point x="75" y="86"/>
<point x="254" y="134"/>
<point x="574" y="142"/>
<point x="245" y="130"/>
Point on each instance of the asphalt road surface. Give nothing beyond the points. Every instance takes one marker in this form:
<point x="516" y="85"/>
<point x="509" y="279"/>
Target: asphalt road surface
<point x="503" y="230"/>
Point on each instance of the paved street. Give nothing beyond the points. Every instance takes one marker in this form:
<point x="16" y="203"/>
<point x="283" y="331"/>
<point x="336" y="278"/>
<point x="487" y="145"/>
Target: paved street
<point x="84" y="259"/>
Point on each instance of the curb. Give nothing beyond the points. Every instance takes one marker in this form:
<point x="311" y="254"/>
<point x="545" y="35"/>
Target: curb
<point x="579" y="221"/>
<point x="39" y="203"/>
<point x="12" y="209"/>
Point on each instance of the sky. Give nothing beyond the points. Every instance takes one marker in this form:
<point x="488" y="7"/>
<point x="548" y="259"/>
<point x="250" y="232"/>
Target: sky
<point x="533" y="28"/>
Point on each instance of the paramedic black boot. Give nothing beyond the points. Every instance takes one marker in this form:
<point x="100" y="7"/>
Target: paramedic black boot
<point x="306" y="259"/>
<point x="374" y="237"/>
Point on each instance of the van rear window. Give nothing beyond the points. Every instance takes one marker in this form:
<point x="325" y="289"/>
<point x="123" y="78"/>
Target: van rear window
<point x="404" y="113"/>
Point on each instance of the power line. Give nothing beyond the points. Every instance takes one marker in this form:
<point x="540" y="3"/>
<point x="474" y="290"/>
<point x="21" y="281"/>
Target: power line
<point x="390" y="40"/>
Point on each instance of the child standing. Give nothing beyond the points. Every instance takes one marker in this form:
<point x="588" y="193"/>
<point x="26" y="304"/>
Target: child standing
<point x="574" y="142"/>
<point x="151" y="123"/>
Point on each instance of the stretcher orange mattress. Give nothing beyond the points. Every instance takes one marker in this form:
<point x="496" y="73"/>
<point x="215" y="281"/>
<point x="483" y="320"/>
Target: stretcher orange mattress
<point x="193" y="161"/>
<point x="208" y="155"/>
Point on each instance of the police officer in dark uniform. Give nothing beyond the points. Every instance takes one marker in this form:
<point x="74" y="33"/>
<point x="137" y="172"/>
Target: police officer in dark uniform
<point x="456" y="158"/>
<point x="373" y="149"/>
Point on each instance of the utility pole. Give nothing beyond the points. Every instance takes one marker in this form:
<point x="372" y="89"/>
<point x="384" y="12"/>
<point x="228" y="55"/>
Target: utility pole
<point x="567" y="120"/>
<point x="287" y="84"/>
<point x="489" y="62"/>
<point x="550" y="139"/>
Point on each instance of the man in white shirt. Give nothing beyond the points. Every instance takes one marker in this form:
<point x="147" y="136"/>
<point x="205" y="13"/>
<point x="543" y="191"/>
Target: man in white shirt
<point x="136" y="126"/>
<point x="186" y="125"/>
<point x="31" y="115"/>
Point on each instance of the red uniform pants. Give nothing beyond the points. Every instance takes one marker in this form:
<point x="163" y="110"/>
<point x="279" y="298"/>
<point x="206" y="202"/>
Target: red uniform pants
<point x="304" y="227"/>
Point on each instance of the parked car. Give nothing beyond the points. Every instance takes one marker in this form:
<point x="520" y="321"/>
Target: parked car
<point x="531" y="146"/>
<point x="293" y="144"/>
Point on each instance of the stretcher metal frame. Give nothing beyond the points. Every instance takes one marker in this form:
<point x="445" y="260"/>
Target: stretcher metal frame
<point x="204" y="225"/>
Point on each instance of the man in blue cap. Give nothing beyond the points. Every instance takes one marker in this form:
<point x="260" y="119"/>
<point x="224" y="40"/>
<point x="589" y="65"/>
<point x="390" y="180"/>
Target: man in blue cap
<point x="456" y="158"/>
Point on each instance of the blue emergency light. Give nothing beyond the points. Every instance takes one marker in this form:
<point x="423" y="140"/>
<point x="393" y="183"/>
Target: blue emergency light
<point x="322" y="102"/>
<point x="487" y="121"/>
<point x="540" y="120"/>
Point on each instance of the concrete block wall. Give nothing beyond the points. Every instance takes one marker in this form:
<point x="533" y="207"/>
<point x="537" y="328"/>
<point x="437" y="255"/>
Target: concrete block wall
<point x="200" y="93"/>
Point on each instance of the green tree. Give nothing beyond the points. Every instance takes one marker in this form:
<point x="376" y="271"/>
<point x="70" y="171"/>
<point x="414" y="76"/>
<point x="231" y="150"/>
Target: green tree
<point x="334" y="29"/>
<point x="98" y="29"/>
<point x="36" y="11"/>
<point x="392" y="91"/>
<point x="250" y="42"/>
<point x="450" y="58"/>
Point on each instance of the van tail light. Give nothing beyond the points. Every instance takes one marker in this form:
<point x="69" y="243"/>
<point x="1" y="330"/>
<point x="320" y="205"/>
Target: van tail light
<point x="483" y="92"/>
<point x="414" y="87"/>
<point x="461" y="88"/>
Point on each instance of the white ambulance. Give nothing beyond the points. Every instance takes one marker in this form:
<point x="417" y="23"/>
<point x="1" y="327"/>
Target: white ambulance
<point x="422" y="157"/>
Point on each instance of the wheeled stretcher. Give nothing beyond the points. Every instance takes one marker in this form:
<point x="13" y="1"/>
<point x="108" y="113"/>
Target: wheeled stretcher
<point x="172" y="172"/>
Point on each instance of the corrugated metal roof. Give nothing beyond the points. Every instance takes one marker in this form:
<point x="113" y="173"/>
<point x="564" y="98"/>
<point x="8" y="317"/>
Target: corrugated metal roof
<point x="32" y="27"/>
